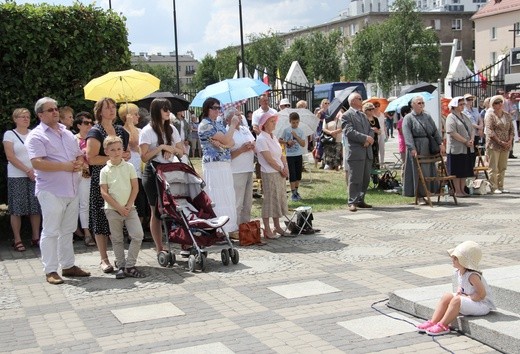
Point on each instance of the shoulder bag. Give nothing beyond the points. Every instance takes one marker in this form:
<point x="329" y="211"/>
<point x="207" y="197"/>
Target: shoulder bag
<point x="433" y="146"/>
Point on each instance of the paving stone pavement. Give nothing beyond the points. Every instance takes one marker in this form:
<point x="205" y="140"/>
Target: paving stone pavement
<point x="309" y="294"/>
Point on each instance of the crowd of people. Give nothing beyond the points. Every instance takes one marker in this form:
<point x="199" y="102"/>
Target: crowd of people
<point x="104" y="177"/>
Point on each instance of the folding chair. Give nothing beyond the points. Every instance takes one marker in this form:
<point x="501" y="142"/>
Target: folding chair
<point x="481" y="165"/>
<point x="440" y="181"/>
<point x="302" y="213"/>
<point x="398" y="164"/>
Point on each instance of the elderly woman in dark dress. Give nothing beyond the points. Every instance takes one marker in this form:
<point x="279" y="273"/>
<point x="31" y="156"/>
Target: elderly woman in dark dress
<point x="105" y="115"/>
<point x="459" y="147"/>
<point x="417" y="126"/>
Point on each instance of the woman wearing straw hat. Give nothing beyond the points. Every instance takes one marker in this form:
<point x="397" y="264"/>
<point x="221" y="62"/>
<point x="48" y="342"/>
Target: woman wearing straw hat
<point x="473" y="296"/>
<point x="460" y="134"/>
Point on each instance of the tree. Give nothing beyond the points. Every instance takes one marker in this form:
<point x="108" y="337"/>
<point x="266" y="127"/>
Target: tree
<point x="54" y="51"/>
<point x="165" y="73"/>
<point x="323" y="56"/>
<point x="226" y="63"/>
<point x="399" y="49"/>
<point x="264" y="50"/>
<point x="206" y="73"/>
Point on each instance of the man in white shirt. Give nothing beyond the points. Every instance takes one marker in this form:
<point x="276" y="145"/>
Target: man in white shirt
<point x="263" y="100"/>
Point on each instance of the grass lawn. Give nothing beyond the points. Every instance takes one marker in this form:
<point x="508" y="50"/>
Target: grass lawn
<point x="325" y="190"/>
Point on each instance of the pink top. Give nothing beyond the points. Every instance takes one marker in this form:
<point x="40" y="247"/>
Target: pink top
<point x="53" y="146"/>
<point x="264" y="142"/>
<point x="400" y="136"/>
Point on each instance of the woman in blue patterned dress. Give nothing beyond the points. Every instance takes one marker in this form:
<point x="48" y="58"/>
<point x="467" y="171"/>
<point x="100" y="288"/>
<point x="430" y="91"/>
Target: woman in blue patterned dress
<point x="216" y="143"/>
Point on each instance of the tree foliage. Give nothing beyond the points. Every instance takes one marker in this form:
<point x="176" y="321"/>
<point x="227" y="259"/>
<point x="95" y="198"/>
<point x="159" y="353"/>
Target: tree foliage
<point x="206" y="73"/>
<point x="165" y="73"/>
<point x="397" y="50"/>
<point x="264" y="50"/>
<point x="54" y="51"/>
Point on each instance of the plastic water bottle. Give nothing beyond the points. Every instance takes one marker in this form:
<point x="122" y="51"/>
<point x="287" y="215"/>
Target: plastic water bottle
<point x="446" y="192"/>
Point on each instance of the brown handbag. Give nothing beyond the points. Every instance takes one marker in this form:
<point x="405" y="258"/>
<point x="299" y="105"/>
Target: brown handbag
<point x="249" y="233"/>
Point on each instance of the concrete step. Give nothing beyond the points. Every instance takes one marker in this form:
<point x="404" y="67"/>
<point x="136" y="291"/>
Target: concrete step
<point x="499" y="329"/>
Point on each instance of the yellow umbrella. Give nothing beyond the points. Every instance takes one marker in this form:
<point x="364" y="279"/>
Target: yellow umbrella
<point x="122" y="86"/>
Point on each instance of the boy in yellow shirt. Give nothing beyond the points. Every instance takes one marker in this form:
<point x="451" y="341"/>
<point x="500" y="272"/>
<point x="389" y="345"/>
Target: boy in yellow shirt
<point x="119" y="188"/>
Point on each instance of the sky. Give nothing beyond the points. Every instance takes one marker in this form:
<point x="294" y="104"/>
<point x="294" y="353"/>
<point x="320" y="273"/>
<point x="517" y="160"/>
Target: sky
<point x="203" y="26"/>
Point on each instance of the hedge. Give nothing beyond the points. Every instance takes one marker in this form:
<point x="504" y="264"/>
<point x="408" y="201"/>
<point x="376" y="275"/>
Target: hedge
<point x="54" y="51"/>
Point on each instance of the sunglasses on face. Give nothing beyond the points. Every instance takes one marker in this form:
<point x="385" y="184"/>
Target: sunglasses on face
<point x="50" y="110"/>
<point x="87" y="122"/>
<point x="498" y="102"/>
<point x="421" y="103"/>
<point x="369" y="109"/>
<point x="165" y="109"/>
<point x="215" y="108"/>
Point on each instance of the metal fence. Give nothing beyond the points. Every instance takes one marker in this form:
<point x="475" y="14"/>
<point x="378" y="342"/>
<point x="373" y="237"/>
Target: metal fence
<point x="483" y="83"/>
<point x="280" y="89"/>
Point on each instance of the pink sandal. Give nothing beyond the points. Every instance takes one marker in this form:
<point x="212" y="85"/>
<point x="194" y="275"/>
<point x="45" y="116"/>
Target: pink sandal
<point x="424" y="326"/>
<point x="438" y="330"/>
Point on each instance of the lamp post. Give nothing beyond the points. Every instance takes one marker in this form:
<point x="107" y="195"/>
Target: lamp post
<point x="241" y="39"/>
<point x="176" y="48"/>
<point x="110" y="4"/>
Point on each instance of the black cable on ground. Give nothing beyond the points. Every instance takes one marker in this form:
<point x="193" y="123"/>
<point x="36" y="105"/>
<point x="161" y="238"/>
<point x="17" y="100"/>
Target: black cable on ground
<point x="409" y="322"/>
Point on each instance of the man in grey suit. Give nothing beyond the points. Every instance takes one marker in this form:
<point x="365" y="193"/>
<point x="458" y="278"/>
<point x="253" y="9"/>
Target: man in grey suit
<point x="360" y="137"/>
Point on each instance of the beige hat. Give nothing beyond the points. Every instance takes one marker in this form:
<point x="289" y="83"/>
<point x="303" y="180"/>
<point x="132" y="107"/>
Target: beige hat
<point x="470" y="96"/>
<point x="468" y="253"/>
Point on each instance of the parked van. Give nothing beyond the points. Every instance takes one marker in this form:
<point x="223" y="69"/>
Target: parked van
<point x="330" y="90"/>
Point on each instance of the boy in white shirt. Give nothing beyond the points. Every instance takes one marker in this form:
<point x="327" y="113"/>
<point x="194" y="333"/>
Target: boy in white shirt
<point x="119" y="188"/>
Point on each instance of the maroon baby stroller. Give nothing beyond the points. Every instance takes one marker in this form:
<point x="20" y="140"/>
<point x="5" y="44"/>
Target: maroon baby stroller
<point x="188" y="218"/>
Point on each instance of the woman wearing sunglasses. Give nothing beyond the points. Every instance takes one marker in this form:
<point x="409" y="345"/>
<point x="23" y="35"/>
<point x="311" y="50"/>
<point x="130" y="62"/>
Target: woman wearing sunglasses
<point x="499" y="131"/>
<point x="216" y="143"/>
<point x="82" y="124"/>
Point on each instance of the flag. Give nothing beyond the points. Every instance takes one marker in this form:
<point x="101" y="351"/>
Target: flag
<point x="256" y="74"/>
<point x="265" y="78"/>
<point x="278" y="86"/>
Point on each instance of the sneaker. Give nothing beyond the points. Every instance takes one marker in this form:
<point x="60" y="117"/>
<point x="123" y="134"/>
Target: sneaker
<point x="327" y="167"/>
<point x="438" y="330"/>
<point x="497" y="191"/>
<point x="53" y="278"/>
<point x="294" y="197"/>
<point x="120" y="274"/>
<point x="424" y="326"/>
<point x="504" y="190"/>
<point x="298" y="195"/>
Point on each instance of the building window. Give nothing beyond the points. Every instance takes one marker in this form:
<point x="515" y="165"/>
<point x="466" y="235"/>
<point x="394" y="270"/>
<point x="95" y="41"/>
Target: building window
<point x="435" y="24"/>
<point x="517" y="29"/>
<point x="493" y="33"/>
<point x="459" y="45"/>
<point x="493" y="57"/>
<point x="190" y="69"/>
<point x="456" y="24"/>
<point x="353" y="29"/>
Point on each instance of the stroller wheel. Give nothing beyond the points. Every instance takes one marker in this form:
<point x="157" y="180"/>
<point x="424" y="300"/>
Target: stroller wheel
<point x="191" y="263"/>
<point x="224" y="255"/>
<point x="171" y="261"/>
<point x="234" y="255"/>
<point x="202" y="262"/>
<point x="163" y="258"/>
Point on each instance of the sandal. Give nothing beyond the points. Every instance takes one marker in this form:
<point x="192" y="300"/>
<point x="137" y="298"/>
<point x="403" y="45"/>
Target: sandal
<point x="35" y="243"/>
<point x="106" y="267"/>
<point x="89" y="241"/>
<point x="133" y="273"/>
<point x="18" y="246"/>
